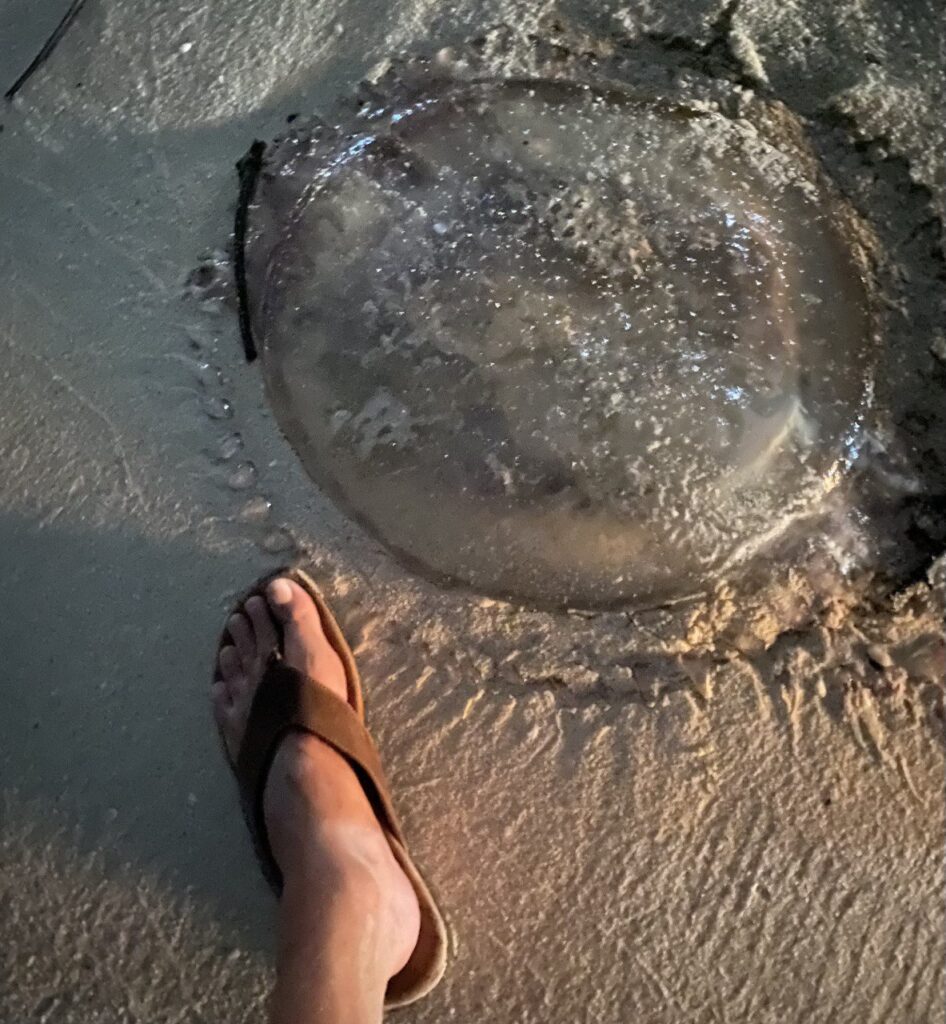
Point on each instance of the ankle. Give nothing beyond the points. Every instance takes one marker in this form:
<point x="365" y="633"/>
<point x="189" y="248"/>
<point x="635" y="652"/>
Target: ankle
<point x="334" y="946"/>
<point x="337" y="865"/>
<point x="333" y="898"/>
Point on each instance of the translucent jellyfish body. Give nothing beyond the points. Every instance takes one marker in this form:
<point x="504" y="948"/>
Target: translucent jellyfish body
<point x="561" y="343"/>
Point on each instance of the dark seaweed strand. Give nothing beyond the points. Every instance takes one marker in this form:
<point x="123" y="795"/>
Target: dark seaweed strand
<point x="248" y="168"/>
<point x="51" y="43"/>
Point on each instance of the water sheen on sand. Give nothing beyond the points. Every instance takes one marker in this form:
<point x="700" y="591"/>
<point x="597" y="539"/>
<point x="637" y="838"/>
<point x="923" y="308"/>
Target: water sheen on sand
<point x="563" y="344"/>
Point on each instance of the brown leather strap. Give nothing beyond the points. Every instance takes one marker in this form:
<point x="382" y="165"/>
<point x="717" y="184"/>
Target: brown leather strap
<point x="286" y="699"/>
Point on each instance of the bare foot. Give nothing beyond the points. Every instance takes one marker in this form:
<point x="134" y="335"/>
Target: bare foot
<point x="321" y="828"/>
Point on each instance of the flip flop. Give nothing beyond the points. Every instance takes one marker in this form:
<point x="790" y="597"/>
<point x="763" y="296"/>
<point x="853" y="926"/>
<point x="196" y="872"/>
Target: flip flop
<point x="287" y="699"/>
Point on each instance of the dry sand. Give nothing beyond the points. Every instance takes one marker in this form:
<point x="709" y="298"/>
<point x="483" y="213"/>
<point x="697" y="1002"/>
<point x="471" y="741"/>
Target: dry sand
<point x="729" y="813"/>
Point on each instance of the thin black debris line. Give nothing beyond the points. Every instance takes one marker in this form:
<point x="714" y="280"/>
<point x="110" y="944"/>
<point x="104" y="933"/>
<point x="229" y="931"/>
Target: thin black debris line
<point x="248" y="168"/>
<point x="51" y="43"/>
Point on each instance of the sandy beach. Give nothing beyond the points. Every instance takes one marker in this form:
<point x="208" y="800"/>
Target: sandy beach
<point x="724" y="811"/>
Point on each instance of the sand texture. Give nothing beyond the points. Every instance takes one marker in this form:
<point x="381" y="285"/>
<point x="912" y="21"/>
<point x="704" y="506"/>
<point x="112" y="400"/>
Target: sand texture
<point x="726" y="811"/>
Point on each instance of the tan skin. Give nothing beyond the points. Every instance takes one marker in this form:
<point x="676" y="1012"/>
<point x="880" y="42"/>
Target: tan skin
<point x="348" y="916"/>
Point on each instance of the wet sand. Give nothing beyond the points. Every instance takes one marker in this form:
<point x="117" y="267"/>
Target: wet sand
<point x="728" y="815"/>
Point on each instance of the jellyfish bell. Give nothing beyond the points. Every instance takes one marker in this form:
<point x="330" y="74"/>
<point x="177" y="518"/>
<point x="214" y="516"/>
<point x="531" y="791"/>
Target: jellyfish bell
<point x="561" y="342"/>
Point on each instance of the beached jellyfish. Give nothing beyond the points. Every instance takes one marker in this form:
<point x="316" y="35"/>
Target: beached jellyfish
<point x="560" y="342"/>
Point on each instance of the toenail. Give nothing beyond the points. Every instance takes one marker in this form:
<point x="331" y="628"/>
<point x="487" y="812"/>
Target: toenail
<point x="280" y="591"/>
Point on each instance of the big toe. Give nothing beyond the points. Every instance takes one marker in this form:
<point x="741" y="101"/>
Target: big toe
<point x="289" y="602"/>
<point x="305" y="645"/>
